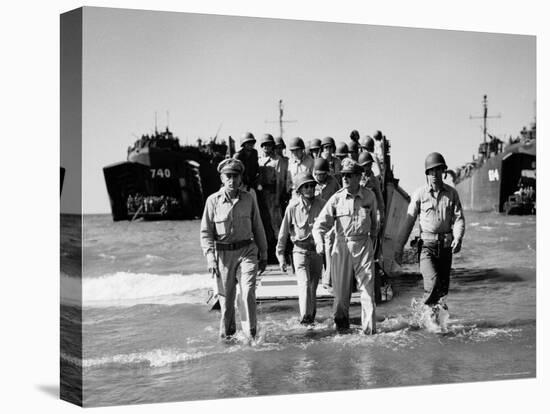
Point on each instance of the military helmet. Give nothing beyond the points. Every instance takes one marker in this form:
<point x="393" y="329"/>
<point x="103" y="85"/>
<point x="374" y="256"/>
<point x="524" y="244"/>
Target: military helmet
<point x="435" y="159"/>
<point x="350" y="166"/>
<point x="231" y="165"/>
<point x="296" y="143"/>
<point x="354" y="135"/>
<point x="304" y="178"/>
<point x="353" y="146"/>
<point x="342" y="149"/>
<point x="378" y="135"/>
<point x="367" y="142"/>
<point x="267" y="139"/>
<point x="328" y="141"/>
<point x="315" y="143"/>
<point x="364" y="159"/>
<point x="247" y="137"/>
<point x="279" y="142"/>
<point x="321" y="164"/>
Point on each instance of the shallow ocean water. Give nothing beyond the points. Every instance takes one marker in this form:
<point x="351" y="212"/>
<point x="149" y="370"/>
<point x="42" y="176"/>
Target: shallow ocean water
<point x="148" y="335"/>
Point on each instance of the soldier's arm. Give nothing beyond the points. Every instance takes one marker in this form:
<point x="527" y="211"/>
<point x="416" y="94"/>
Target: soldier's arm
<point x="406" y="228"/>
<point x="324" y="222"/>
<point x="207" y="236"/>
<point x="459" y="221"/>
<point x="258" y="230"/>
<point x="283" y="236"/>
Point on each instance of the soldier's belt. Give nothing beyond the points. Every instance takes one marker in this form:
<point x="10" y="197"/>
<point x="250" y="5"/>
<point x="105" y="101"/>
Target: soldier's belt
<point x="436" y="236"/>
<point x="306" y="244"/>
<point x="232" y="246"/>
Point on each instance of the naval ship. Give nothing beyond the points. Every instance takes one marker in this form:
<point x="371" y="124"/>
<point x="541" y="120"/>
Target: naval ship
<point x="502" y="177"/>
<point x="163" y="180"/>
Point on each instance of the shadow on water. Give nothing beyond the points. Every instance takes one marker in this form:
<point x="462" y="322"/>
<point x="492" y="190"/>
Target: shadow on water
<point x="492" y="275"/>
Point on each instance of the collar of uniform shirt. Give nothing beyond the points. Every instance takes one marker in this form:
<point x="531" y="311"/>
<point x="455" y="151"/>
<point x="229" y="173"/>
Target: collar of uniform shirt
<point x="306" y="204"/>
<point x="431" y="190"/>
<point x="227" y="197"/>
<point x="358" y="194"/>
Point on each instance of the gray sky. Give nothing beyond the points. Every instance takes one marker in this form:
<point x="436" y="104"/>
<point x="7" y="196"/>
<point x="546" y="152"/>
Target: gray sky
<point x="418" y="86"/>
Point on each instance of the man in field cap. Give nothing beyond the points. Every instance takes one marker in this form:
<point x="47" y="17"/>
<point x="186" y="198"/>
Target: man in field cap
<point x="298" y="223"/>
<point x="352" y="212"/>
<point x="232" y="237"/>
<point x="441" y="231"/>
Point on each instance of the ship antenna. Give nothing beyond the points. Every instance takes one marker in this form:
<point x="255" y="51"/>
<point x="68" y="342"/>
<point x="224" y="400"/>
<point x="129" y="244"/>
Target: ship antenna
<point x="484" y="117"/>
<point x="280" y="121"/>
<point x="167" y="119"/>
<point x="156" y="130"/>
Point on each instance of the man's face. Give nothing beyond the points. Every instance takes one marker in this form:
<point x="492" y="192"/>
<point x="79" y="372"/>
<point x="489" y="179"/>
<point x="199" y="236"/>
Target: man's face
<point x="351" y="180"/>
<point x="231" y="181"/>
<point x="308" y="190"/>
<point x="247" y="146"/>
<point x="327" y="150"/>
<point x="267" y="149"/>
<point x="297" y="153"/>
<point x="435" y="176"/>
<point x="320" y="176"/>
<point x="315" y="152"/>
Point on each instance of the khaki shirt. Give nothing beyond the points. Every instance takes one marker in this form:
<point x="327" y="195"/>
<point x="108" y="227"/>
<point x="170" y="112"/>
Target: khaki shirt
<point x="272" y="176"/>
<point x="326" y="190"/>
<point x="353" y="216"/>
<point x="298" y="222"/>
<point x="296" y="167"/>
<point x="231" y="221"/>
<point x="441" y="213"/>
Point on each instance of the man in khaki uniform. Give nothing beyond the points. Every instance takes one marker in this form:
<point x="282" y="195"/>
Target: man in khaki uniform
<point x="232" y="237"/>
<point x="441" y="231"/>
<point x="298" y="222"/>
<point x="352" y="211"/>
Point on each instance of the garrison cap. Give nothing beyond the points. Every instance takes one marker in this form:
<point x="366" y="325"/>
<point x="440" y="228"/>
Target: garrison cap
<point x="364" y="159"/>
<point x="231" y="165"/>
<point x="350" y="166"/>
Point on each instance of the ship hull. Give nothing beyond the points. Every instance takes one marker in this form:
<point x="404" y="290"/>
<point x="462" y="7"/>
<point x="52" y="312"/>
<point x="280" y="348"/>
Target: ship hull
<point x="488" y="186"/>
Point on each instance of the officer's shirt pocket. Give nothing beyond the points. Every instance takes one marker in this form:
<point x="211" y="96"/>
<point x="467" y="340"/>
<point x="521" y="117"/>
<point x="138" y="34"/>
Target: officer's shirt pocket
<point x="222" y="221"/>
<point x="343" y="216"/>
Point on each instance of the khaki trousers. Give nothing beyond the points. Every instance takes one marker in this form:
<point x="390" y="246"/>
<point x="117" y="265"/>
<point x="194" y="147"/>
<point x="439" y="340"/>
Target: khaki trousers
<point x="353" y="258"/>
<point x="308" y="268"/>
<point x="245" y="258"/>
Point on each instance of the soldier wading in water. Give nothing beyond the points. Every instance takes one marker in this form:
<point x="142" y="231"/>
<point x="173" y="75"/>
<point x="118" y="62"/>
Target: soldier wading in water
<point x="441" y="232"/>
<point x="232" y="237"/>
<point x="352" y="212"/>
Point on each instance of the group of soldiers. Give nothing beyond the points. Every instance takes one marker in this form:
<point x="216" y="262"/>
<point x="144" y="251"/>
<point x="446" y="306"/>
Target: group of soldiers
<point x="326" y="202"/>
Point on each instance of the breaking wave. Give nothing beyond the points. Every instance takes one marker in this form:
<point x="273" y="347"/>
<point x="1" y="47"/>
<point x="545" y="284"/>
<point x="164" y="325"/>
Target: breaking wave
<point x="123" y="289"/>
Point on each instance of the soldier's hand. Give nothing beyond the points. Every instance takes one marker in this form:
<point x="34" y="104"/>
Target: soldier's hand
<point x="456" y="245"/>
<point x="282" y="263"/>
<point x="320" y="249"/>
<point x="212" y="264"/>
<point x="261" y="266"/>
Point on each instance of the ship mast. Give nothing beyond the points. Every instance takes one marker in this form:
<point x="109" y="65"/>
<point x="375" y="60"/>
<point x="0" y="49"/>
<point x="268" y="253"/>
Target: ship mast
<point x="281" y="121"/>
<point x="485" y="116"/>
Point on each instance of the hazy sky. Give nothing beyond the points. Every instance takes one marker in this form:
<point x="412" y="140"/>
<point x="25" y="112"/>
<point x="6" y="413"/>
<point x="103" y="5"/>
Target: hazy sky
<point x="418" y="86"/>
